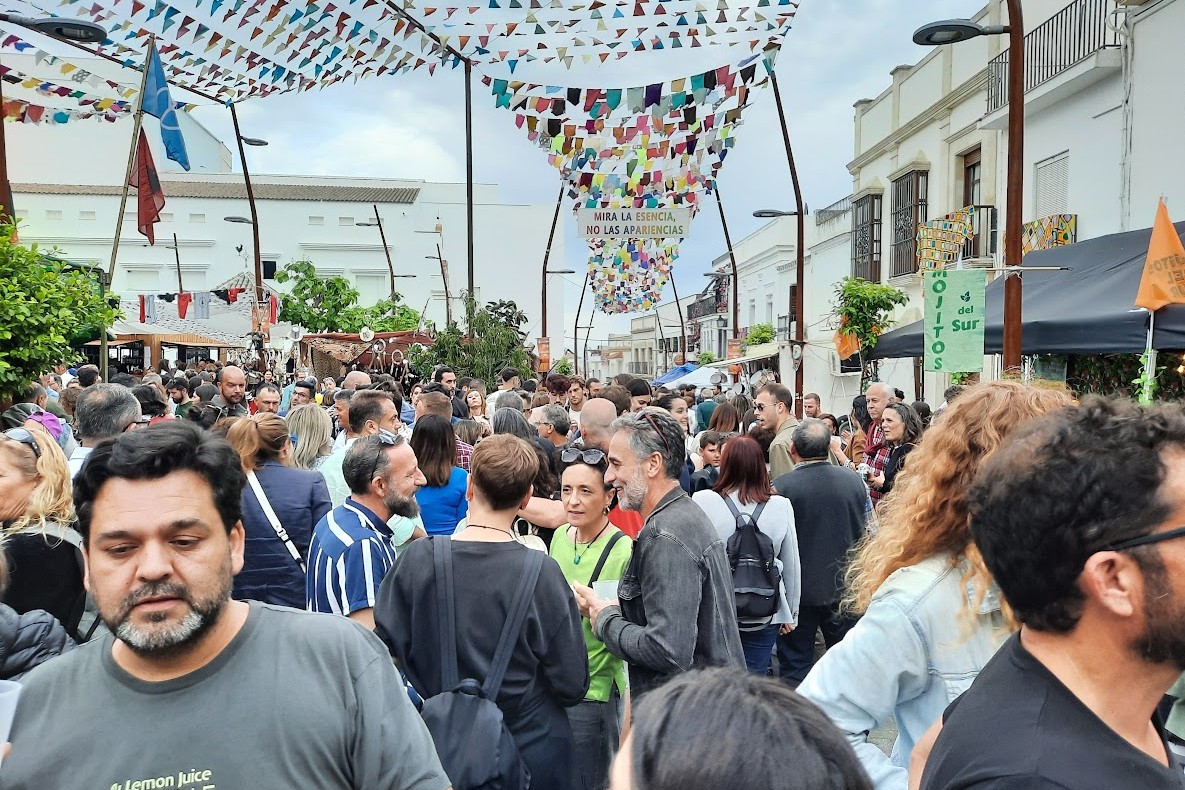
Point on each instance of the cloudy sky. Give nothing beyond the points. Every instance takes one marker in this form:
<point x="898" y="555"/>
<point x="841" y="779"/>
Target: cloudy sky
<point x="411" y="126"/>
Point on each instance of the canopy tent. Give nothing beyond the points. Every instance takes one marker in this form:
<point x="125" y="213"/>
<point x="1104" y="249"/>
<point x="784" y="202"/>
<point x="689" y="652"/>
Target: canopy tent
<point x="673" y="374"/>
<point x="1084" y="310"/>
<point x="700" y="377"/>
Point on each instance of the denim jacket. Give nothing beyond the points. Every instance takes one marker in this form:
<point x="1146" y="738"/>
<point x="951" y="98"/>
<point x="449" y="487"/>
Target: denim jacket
<point x="911" y="654"/>
<point x="676" y="601"/>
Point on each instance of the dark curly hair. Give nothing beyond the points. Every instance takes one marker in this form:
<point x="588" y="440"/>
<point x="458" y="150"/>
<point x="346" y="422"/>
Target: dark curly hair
<point x="171" y="446"/>
<point x="1064" y="487"/>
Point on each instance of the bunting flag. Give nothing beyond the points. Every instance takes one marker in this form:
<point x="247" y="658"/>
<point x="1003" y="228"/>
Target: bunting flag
<point x="149" y="197"/>
<point x="20" y="111"/>
<point x="941" y="241"/>
<point x="51" y="89"/>
<point x="1046" y="233"/>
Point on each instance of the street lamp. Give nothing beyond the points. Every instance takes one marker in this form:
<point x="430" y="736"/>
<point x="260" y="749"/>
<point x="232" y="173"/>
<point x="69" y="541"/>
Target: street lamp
<point x="448" y="297"/>
<point x="798" y="305"/>
<point x="239" y="220"/>
<point x="952" y="31"/>
<point x="378" y="222"/>
<point x="770" y="213"/>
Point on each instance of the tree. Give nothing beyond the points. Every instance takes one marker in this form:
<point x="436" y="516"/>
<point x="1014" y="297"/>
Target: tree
<point x="759" y="333"/>
<point x="493" y="340"/>
<point x="705" y="357"/>
<point x="43" y="304"/>
<point x="863" y="309"/>
<point x="562" y="367"/>
<point x="330" y="304"/>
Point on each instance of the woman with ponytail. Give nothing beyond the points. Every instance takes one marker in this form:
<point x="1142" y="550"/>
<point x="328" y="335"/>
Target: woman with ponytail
<point x="281" y="505"/>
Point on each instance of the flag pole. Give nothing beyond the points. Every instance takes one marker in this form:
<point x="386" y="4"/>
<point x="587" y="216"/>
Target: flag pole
<point x="123" y="200"/>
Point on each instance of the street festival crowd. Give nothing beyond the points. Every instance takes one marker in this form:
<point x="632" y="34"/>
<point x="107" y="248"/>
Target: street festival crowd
<point x="554" y="583"/>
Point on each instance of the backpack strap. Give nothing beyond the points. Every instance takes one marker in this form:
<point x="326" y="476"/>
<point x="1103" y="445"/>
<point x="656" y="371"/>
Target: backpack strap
<point x="532" y="564"/>
<point x="736" y="514"/>
<point x="446" y="612"/>
<point x="596" y="574"/>
<point x="756" y="514"/>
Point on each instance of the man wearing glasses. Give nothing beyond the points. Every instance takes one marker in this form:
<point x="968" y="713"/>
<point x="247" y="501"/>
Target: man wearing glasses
<point x="353" y="547"/>
<point x="1078" y="517"/>
<point x="675" y="609"/>
<point x="103" y="411"/>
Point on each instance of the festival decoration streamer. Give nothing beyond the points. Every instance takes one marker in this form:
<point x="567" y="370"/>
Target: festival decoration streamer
<point x="20" y="111"/>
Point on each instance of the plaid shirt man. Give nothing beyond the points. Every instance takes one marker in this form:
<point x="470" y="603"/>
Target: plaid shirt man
<point x="876" y="455"/>
<point x="465" y="452"/>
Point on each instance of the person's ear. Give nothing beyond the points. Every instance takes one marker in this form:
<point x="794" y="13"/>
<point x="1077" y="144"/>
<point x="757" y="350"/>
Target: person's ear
<point x="469" y="488"/>
<point x="238" y="540"/>
<point x="527" y="499"/>
<point x="1113" y="581"/>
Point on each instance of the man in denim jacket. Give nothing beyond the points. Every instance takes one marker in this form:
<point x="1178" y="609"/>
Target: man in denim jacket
<point x="675" y="607"/>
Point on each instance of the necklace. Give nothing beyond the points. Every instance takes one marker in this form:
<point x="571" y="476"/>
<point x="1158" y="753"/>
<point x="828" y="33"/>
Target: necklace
<point x="576" y="555"/>
<point x="496" y="529"/>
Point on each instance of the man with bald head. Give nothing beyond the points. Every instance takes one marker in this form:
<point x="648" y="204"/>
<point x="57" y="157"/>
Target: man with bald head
<point x="232" y="391"/>
<point x="595" y="418"/>
<point x="876" y="453"/>
<point x="356" y="380"/>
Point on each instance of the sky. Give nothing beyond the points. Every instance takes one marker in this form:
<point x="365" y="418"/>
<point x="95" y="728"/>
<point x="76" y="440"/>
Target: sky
<point x="412" y="126"/>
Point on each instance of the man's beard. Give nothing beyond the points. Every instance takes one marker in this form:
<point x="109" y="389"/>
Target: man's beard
<point x="632" y="495"/>
<point x="1163" y="640"/>
<point x="407" y="507"/>
<point x="156" y="642"/>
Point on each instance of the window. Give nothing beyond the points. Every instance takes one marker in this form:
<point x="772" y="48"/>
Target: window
<point x="86" y="215"/>
<point x="793" y="303"/>
<point x="316" y="220"/>
<point x="752" y="312"/>
<point x="972" y="178"/>
<point x="1051" y="186"/>
<point x="866" y="238"/>
<point x="769" y="309"/>
<point x="166" y="216"/>
<point x="269" y="270"/>
<point x="345" y="222"/>
<point x="197" y="218"/>
<point x="909" y="210"/>
<point x="53" y="214"/>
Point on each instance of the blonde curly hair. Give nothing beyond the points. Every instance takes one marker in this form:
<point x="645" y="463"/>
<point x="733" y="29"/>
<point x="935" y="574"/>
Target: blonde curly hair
<point x="926" y="513"/>
<point x="52" y="498"/>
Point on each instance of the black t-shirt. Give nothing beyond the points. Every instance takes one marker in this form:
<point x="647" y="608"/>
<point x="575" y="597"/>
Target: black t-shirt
<point x="1019" y="727"/>
<point x="44" y="573"/>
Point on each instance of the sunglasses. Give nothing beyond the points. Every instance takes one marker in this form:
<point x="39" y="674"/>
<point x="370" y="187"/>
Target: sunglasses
<point x="591" y="456"/>
<point x="648" y="417"/>
<point x="386" y="439"/>
<point x="24" y="437"/>
<point x="1146" y="540"/>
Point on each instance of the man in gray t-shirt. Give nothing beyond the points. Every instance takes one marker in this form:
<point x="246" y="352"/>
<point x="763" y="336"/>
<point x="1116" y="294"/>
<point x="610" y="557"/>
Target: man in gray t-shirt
<point x="193" y="690"/>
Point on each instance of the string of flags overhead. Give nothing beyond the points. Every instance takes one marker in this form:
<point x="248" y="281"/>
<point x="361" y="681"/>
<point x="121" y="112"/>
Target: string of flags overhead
<point x="199" y="301"/>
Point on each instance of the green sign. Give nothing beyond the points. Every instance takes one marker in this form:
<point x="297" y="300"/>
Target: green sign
<point x="955" y="319"/>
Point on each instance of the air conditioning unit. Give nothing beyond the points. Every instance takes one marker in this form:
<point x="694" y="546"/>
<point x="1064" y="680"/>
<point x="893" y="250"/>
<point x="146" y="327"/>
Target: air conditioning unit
<point x="843" y="367"/>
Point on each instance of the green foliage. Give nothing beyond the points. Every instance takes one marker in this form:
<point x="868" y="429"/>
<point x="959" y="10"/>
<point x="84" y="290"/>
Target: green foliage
<point x="705" y="357"/>
<point x="759" y="333"/>
<point x="863" y="309"/>
<point x="1122" y="375"/>
<point x="330" y="304"/>
<point x="492" y="341"/>
<point x="562" y="367"/>
<point x="44" y="303"/>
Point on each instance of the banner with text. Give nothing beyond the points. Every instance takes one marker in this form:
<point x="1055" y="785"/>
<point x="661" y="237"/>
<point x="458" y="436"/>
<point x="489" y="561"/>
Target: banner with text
<point x="633" y="223"/>
<point x="955" y="300"/>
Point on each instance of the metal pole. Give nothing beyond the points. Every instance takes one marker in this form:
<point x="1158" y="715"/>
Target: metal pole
<point x="592" y="314"/>
<point x="797" y="306"/>
<point x="682" y="323"/>
<point x="555" y="220"/>
<point x="448" y="299"/>
<point x="661" y="338"/>
<point x="736" y="307"/>
<point x="469" y="174"/>
<point x="177" y="258"/>
<point x="7" y="212"/>
<point x="576" y="324"/>
<point x="1014" y="218"/>
<point x="234" y="115"/>
<point x="386" y="249"/>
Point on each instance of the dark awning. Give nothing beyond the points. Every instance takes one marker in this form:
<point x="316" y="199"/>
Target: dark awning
<point x="1086" y="310"/>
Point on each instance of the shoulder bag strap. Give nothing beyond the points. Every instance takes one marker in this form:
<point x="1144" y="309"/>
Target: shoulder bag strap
<point x="446" y="612"/>
<point x="274" y="519"/>
<point x="514" y="624"/>
<point x="596" y="574"/>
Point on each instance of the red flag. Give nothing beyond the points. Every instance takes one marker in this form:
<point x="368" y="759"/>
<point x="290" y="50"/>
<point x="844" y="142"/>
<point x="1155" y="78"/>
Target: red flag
<point x="149" y="197"/>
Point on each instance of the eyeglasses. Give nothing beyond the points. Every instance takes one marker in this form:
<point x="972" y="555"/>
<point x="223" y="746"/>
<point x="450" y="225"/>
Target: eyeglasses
<point x="23" y="436"/>
<point x="589" y="456"/>
<point x="1145" y="540"/>
<point x="648" y="417"/>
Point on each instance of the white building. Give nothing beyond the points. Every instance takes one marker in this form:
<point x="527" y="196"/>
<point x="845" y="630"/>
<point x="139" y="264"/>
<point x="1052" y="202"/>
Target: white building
<point x="66" y="182"/>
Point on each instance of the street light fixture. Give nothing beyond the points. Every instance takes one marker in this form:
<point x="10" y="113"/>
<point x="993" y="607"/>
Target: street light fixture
<point x="770" y="213"/>
<point x="239" y="220"/>
<point x="254" y="141"/>
<point x="950" y="31"/>
<point x="560" y="271"/>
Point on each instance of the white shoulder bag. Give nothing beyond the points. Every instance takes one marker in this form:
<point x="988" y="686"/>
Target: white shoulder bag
<point x="275" y="520"/>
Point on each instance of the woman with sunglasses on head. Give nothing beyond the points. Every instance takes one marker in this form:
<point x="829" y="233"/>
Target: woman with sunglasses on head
<point x="43" y="550"/>
<point x="591" y="551"/>
<point x="281" y="506"/>
<point x="311" y="432"/>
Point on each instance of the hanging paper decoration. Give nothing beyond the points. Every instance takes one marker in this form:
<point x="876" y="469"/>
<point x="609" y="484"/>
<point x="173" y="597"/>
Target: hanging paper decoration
<point x="18" y="111"/>
<point x="941" y="241"/>
<point x="1056" y="230"/>
<point x="627" y="276"/>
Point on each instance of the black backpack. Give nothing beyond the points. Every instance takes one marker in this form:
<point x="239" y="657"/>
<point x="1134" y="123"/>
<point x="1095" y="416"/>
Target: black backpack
<point x="756" y="578"/>
<point x="474" y="746"/>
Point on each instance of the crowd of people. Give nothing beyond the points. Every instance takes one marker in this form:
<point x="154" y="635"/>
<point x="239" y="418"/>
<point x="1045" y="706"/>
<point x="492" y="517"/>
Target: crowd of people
<point x="568" y="584"/>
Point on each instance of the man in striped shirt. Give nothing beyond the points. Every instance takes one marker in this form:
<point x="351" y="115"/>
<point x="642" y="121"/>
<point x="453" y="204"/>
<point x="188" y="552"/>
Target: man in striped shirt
<point x="352" y="547"/>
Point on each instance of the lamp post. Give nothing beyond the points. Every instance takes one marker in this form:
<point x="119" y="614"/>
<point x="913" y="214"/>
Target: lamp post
<point x="952" y="31"/>
<point x="448" y="297"/>
<point x="378" y="221"/>
<point x="797" y="306"/>
<point x="543" y="294"/>
<point x="254" y="220"/>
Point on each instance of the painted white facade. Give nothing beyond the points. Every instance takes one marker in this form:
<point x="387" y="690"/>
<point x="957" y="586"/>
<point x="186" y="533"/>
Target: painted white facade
<point x="66" y="182"/>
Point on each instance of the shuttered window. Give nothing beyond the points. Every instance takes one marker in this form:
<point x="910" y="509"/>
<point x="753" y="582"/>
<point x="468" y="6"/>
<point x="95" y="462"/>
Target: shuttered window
<point x="1051" y="186"/>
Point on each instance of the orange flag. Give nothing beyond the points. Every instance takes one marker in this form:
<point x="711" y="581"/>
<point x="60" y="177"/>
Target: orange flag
<point x="1164" y="270"/>
<point x="846" y="343"/>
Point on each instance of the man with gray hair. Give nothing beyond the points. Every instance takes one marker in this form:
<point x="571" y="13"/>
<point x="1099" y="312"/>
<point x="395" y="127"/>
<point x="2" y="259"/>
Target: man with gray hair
<point x="353" y="547"/>
<point x="104" y="411"/>
<point x="831" y="508"/>
<point x="876" y="452"/>
<point x="675" y="609"/>
<point x="553" y="423"/>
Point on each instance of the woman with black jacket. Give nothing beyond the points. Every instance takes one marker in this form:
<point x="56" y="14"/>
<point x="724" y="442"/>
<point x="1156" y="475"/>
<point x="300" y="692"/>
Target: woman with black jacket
<point x="903" y="430"/>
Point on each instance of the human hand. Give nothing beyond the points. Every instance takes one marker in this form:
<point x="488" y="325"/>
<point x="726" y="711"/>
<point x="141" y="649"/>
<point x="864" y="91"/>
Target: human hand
<point x="876" y="481"/>
<point x="588" y="603"/>
<point x="786" y="628"/>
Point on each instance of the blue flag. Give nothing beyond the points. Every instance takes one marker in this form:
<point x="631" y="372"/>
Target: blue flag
<point x="156" y="101"/>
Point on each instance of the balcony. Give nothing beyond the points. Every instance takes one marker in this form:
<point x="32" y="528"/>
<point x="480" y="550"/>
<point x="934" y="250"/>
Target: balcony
<point x="705" y="307"/>
<point x="1076" y="39"/>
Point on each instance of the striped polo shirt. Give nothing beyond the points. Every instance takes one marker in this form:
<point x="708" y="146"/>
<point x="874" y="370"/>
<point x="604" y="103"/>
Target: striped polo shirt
<point x="350" y="553"/>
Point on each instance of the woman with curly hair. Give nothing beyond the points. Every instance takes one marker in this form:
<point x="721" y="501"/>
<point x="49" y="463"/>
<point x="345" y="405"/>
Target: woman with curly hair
<point x="931" y="619"/>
